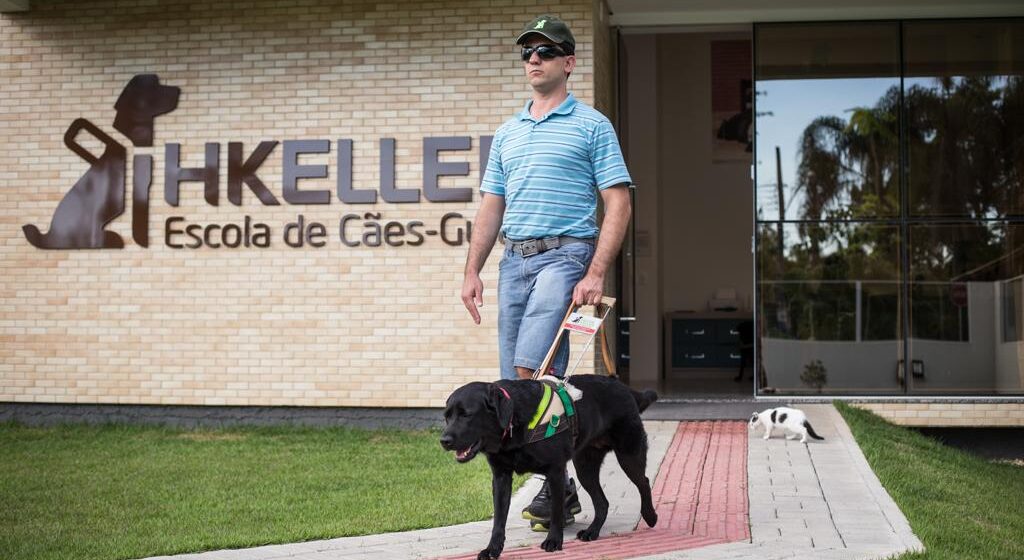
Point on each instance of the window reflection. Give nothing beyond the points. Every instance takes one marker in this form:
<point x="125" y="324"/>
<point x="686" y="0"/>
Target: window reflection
<point x="828" y="121"/>
<point x="965" y="118"/>
<point x="829" y="306"/>
<point x="965" y="293"/>
<point x="839" y="145"/>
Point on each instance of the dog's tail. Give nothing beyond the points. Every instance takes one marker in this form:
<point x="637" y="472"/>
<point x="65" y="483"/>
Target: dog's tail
<point x="644" y="400"/>
<point x="810" y="430"/>
<point x="34" y="236"/>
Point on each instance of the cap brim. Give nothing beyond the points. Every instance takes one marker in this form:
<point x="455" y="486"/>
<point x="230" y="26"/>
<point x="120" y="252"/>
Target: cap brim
<point x="522" y="37"/>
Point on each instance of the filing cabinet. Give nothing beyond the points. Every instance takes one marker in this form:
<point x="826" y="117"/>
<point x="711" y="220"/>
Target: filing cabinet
<point x="702" y="340"/>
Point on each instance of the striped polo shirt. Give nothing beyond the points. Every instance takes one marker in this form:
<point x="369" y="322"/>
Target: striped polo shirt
<point x="550" y="170"/>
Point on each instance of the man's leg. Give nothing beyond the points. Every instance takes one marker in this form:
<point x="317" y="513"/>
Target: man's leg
<point x="513" y="292"/>
<point x="552" y="275"/>
<point x="555" y="273"/>
<point x="559" y="364"/>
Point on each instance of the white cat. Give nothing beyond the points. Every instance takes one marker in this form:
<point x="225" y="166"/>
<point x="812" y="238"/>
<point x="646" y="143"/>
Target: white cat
<point x="794" y="422"/>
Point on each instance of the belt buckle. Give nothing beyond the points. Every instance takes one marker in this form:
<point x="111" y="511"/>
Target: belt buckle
<point x="529" y="247"/>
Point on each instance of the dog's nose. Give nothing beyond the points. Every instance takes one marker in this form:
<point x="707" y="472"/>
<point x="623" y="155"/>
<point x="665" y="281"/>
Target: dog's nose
<point x="446" y="441"/>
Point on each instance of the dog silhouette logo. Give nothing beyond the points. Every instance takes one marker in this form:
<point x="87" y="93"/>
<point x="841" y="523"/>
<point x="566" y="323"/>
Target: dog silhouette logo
<point x="97" y="198"/>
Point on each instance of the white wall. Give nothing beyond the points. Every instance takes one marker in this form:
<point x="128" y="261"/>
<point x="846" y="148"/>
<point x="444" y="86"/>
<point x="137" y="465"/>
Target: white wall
<point x="980" y="364"/>
<point x="693" y="216"/>
<point x="706" y="206"/>
<point x="639" y="92"/>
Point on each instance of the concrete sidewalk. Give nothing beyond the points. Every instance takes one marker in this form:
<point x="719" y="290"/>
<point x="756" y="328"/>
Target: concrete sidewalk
<point x="720" y="492"/>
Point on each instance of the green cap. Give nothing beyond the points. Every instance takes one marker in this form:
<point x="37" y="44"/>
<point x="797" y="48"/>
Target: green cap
<point x="552" y="28"/>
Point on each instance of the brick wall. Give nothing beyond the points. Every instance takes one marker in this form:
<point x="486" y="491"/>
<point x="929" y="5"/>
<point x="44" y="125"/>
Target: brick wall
<point x="328" y="326"/>
<point x="950" y="414"/>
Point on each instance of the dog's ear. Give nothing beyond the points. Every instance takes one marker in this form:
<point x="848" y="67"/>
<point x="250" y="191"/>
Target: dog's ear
<point x="500" y="402"/>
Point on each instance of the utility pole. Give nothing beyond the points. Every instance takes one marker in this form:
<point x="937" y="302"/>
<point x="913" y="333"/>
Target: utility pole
<point x="782" y="312"/>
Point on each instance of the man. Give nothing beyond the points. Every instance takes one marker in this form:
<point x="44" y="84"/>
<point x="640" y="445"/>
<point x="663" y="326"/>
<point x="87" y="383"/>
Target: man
<point x="546" y="167"/>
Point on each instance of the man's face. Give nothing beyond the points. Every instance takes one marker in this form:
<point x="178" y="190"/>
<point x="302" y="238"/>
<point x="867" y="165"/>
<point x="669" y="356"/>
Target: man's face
<point x="546" y="75"/>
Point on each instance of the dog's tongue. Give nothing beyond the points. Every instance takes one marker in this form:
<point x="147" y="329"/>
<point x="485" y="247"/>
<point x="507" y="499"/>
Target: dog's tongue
<point x="462" y="454"/>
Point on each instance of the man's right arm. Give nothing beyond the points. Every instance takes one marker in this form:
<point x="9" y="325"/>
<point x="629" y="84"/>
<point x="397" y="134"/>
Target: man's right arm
<point x="485" y="233"/>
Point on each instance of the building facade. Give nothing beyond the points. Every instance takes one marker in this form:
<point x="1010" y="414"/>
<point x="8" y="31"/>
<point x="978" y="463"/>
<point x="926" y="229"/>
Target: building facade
<point x="269" y="203"/>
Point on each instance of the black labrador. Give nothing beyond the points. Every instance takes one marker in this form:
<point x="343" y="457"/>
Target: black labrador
<point x="493" y="418"/>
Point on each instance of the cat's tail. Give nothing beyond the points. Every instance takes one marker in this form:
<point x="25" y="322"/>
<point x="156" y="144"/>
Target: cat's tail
<point x="810" y="430"/>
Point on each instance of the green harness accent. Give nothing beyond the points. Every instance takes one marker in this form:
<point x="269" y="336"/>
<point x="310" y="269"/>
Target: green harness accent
<point x="557" y="422"/>
<point x="542" y="408"/>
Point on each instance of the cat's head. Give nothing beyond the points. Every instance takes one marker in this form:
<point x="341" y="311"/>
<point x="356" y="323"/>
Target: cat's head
<point x="754" y="418"/>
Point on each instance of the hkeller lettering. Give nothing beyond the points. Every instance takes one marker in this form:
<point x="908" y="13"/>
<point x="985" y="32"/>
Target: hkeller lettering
<point x="243" y="169"/>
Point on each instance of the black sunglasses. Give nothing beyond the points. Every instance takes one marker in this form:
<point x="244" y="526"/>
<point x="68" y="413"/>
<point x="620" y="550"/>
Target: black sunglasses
<point x="545" y="52"/>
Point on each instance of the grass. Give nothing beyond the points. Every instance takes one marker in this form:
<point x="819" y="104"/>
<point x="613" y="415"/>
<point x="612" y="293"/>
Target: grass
<point x="959" y="505"/>
<point x="112" y="492"/>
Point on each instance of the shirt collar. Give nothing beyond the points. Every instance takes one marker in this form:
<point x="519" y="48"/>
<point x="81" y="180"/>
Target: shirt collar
<point x="565" y="108"/>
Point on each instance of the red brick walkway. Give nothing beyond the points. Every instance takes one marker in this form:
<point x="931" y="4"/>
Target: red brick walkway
<point x="700" y="494"/>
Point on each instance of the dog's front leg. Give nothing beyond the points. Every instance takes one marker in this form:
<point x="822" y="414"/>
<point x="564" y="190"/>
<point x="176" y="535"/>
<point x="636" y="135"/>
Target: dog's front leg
<point x="501" y="493"/>
<point x="556" y="481"/>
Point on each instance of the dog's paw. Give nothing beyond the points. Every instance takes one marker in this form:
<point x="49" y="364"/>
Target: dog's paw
<point x="111" y="240"/>
<point x="551" y="544"/>
<point x="488" y="554"/>
<point x="587" y="535"/>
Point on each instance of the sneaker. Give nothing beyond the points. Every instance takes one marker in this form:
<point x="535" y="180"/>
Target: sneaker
<point x="542" y="525"/>
<point x="540" y="508"/>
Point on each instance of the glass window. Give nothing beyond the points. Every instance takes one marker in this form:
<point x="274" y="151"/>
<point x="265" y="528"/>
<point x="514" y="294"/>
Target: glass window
<point x="827" y="103"/>
<point x="964" y="90"/>
<point x="1011" y="309"/>
<point x="840" y="148"/>
<point x="965" y="282"/>
<point x="828" y="306"/>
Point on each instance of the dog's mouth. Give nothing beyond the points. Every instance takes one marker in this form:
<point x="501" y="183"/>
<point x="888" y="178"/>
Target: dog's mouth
<point x="467" y="453"/>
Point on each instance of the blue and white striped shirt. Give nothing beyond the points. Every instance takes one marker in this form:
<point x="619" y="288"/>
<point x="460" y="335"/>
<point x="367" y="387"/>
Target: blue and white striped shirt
<point x="547" y="170"/>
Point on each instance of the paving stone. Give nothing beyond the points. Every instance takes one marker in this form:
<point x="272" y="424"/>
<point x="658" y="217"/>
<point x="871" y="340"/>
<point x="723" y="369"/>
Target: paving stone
<point x="818" y="500"/>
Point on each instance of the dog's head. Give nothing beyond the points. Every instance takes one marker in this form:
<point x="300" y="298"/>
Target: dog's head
<point x="141" y="101"/>
<point x="477" y="416"/>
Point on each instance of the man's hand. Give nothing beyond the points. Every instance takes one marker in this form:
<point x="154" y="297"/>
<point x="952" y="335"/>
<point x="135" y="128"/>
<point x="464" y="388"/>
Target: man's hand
<point x="589" y="290"/>
<point x="485" y="233"/>
<point x="473" y="295"/>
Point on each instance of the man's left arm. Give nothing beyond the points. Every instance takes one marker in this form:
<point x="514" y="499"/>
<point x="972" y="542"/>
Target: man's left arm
<point x="617" y="211"/>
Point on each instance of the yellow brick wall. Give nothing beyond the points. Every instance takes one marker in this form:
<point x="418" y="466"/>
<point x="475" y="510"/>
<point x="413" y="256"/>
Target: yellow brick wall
<point x="938" y="414"/>
<point x="331" y="326"/>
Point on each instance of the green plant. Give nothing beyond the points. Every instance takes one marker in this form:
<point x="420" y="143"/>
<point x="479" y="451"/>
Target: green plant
<point x="814" y="375"/>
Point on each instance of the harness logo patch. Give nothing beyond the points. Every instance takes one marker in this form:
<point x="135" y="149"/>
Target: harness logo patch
<point x="582" y="323"/>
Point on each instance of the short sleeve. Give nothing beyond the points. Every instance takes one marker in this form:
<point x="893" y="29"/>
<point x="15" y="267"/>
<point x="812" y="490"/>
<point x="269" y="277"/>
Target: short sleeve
<point x="606" y="155"/>
<point x="494" y="176"/>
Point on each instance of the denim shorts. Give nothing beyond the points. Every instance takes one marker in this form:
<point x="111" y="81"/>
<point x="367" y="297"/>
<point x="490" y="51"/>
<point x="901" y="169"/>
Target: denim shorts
<point x="533" y="295"/>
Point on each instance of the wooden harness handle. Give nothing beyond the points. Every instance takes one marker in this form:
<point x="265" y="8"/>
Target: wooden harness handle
<point x="606" y="301"/>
